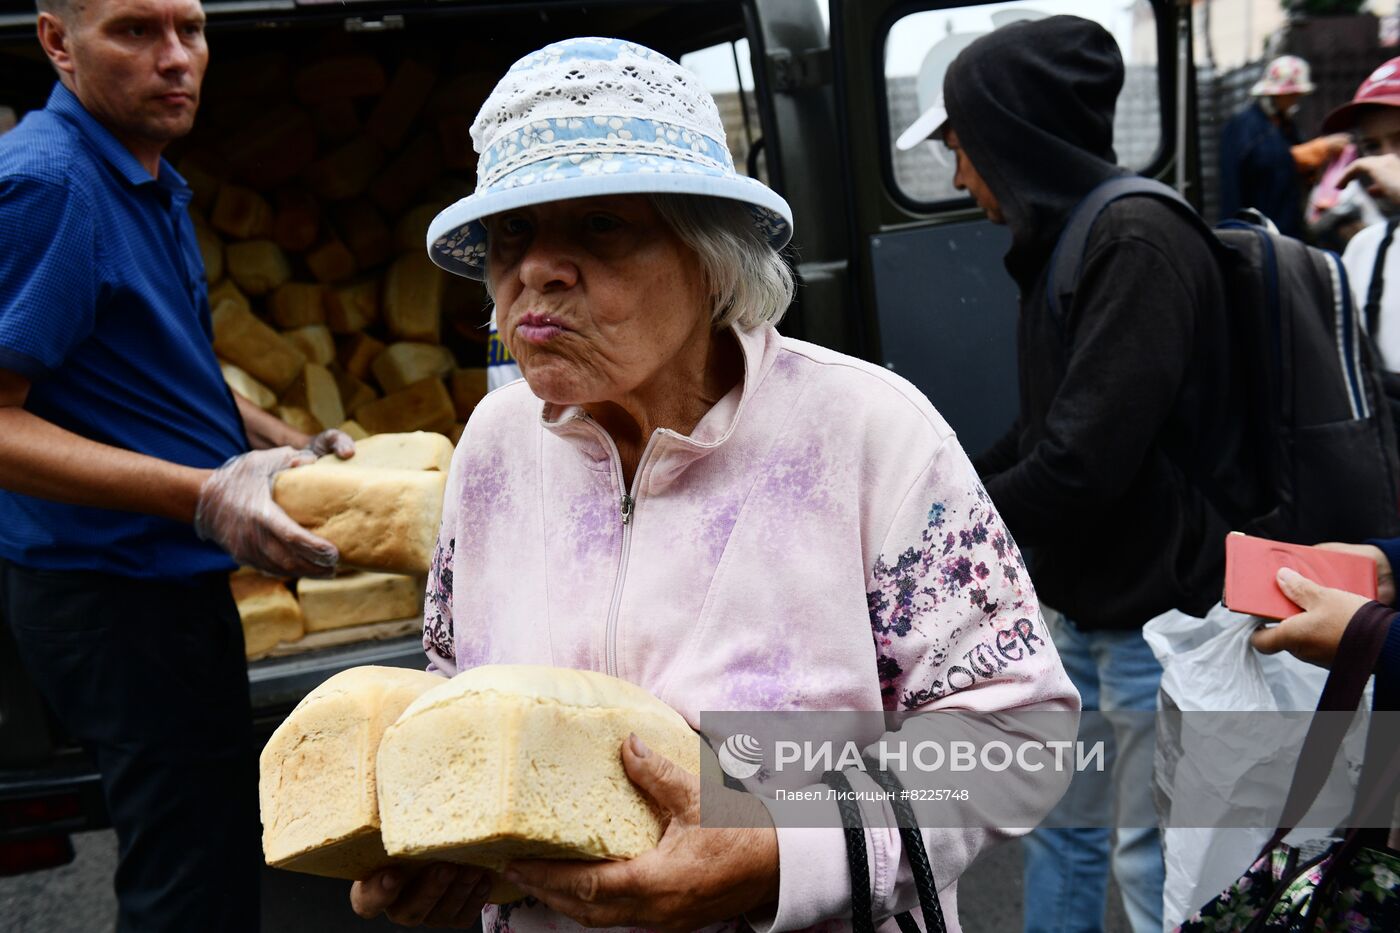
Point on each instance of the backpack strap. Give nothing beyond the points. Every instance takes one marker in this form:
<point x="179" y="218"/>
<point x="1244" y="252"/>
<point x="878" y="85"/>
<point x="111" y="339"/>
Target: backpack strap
<point x="1377" y="287"/>
<point x="1067" y="260"/>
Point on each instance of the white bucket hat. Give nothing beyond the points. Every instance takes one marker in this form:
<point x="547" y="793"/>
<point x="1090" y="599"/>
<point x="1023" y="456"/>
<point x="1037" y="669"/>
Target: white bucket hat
<point x="1287" y="74"/>
<point x="592" y="116"/>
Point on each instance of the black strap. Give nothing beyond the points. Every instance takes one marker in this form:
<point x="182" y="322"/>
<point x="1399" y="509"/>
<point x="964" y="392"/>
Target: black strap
<point x="1067" y="261"/>
<point x="1377" y="286"/>
<point x="907" y="923"/>
<point x="1356" y="656"/>
<point x="1375" y="798"/>
<point x="914" y="850"/>
<point x="1380" y="766"/>
<point x="857" y="859"/>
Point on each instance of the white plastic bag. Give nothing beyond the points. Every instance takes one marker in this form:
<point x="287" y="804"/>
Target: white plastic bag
<point x="1208" y="665"/>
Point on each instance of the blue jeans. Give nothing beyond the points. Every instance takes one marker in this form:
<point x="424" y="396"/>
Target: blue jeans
<point x="1066" y="870"/>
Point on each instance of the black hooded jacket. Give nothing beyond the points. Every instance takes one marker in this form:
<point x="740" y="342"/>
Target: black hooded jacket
<point x="1129" y="395"/>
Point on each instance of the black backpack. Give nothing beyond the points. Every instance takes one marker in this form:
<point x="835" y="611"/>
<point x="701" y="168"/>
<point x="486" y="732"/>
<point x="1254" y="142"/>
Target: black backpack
<point x="1329" y="464"/>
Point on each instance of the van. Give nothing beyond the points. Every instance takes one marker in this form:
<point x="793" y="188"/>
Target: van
<point x="360" y="109"/>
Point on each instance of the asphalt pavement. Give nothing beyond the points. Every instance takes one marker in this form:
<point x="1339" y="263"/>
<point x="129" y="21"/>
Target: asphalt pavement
<point x="78" y="897"/>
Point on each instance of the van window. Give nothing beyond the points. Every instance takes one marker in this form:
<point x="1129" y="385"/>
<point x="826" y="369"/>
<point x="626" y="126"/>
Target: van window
<point x="919" y="47"/>
<point x="727" y="73"/>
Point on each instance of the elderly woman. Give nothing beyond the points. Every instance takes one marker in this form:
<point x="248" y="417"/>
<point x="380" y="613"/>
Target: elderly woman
<point x="679" y="496"/>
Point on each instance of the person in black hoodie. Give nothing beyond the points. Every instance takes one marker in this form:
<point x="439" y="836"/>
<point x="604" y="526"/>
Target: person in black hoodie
<point x="1123" y="401"/>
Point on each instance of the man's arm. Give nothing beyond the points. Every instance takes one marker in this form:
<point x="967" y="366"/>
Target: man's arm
<point x="231" y="506"/>
<point x="40" y="459"/>
<point x="47" y="307"/>
<point x="267" y="430"/>
<point x="1316" y="154"/>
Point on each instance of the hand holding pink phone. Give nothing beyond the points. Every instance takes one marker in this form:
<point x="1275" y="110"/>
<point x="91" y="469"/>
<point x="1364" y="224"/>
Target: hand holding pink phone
<point x="1252" y="565"/>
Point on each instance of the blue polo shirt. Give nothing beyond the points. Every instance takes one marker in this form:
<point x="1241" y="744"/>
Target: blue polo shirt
<point x="104" y="308"/>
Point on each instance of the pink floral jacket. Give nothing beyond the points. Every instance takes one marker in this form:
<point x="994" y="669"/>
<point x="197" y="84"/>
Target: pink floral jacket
<point x="820" y="541"/>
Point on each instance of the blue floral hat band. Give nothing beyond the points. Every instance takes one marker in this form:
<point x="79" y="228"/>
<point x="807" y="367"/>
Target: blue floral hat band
<point x="580" y="137"/>
<point x="589" y="117"/>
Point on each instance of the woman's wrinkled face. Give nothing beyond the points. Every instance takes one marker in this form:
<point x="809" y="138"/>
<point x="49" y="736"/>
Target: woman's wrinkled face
<point x="594" y="296"/>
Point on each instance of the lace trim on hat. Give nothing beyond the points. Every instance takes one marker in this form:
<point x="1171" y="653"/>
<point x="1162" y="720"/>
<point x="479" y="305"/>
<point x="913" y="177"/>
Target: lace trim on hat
<point x="586" y="76"/>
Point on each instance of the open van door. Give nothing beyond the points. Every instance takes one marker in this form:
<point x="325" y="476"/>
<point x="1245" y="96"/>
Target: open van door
<point x="926" y="265"/>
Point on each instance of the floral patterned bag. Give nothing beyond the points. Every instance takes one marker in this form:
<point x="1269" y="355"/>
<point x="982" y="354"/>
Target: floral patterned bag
<point x="1283" y="891"/>
<point x="1348" y="885"/>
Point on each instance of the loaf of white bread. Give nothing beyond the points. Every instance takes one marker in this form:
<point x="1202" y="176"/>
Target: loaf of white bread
<point x="415" y="450"/>
<point x="381" y="508"/>
<point x="267" y="609"/>
<point x="317" y="788"/>
<point x="501" y="762"/>
<point x="519" y="761"/>
<point x="358" y="599"/>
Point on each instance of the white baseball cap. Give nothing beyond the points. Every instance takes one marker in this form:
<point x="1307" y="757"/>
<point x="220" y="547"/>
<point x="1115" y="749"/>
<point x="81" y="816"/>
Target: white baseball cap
<point x="937" y="60"/>
<point x="930" y="125"/>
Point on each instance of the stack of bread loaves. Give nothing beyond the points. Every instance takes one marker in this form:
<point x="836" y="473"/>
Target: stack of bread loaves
<point x="381" y="508"/>
<point x="314" y="179"/>
<point x="502" y="762"/>
<point x="315" y="173"/>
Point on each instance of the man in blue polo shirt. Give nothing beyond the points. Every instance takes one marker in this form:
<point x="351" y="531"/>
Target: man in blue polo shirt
<point x="127" y="488"/>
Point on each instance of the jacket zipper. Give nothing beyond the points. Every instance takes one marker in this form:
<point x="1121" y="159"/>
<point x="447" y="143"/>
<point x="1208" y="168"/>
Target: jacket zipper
<point x="627" y="507"/>
<point x="610" y="633"/>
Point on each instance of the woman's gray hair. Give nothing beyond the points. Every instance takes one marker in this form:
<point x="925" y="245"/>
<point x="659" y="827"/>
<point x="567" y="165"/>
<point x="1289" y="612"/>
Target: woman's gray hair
<point x="749" y="282"/>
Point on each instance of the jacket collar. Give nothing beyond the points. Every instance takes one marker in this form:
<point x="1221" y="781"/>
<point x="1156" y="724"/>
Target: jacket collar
<point x="65" y="104"/>
<point x="672" y="451"/>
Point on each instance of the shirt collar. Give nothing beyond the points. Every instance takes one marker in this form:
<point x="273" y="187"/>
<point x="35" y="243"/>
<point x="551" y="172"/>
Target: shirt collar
<point x="66" y="104"/>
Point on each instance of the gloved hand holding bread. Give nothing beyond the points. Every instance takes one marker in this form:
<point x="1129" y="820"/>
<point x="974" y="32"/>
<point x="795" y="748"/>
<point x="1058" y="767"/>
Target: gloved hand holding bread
<point x="380" y="508"/>
<point x="236" y="511"/>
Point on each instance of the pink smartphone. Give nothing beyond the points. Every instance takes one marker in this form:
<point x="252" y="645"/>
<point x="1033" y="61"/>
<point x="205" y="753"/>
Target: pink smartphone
<point x="1251" y="565"/>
